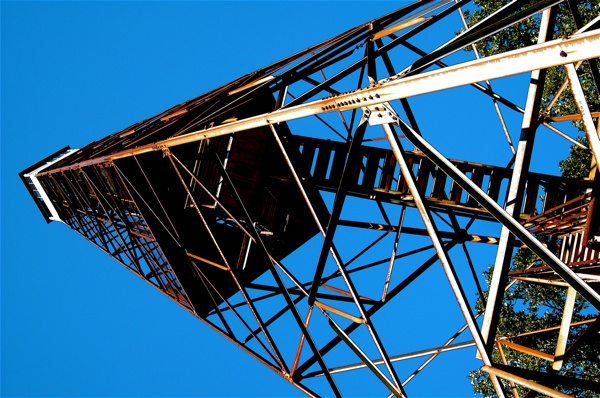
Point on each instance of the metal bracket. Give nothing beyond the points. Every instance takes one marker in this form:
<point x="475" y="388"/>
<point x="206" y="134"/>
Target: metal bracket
<point x="381" y="114"/>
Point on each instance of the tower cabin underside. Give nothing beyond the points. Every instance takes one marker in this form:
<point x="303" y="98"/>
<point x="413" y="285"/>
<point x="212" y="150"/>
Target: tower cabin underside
<point x="182" y="219"/>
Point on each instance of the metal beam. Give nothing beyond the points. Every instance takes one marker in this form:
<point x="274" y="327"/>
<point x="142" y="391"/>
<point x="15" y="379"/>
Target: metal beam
<point x="516" y="190"/>
<point x="523" y="382"/>
<point x="565" y="326"/>
<point x="500" y="214"/>
<point x="584" y="111"/>
<point x="401" y="357"/>
<point x="557" y="52"/>
<point x="368" y="363"/>
<point x="440" y="250"/>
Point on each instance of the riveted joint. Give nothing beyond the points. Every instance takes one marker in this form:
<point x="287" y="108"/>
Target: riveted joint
<point x="165" y="149"/>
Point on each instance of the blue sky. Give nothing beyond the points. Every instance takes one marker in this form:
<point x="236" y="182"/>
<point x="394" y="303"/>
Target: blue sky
<point x="76" y="323"/>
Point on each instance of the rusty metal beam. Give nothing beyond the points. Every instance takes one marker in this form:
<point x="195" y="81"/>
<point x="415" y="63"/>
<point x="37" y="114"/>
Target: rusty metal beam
<point x="397" y="391"/>
<point x="513" y="387"/>
<point x="401" y="357"/>
<point x="462" y="236"/>
<point x="557" y="52"/>
<point x="527" y="350"/>
<point x="550" y="379"/>
<point x="523" y="382"/>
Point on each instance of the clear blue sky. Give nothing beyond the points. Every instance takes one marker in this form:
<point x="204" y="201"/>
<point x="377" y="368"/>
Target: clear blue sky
<point x="76" y="323"/>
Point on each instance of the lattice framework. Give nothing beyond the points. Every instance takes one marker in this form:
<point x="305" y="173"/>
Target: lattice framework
<point x="165" y="199"/>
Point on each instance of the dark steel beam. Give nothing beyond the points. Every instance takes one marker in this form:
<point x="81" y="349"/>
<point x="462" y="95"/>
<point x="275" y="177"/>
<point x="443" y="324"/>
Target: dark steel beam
<point x="264" y="252"/>
<point x="398" y="392"/>
<point x="400" y="357"/>
<point x="379" y="305"/>
<point x="443" y="256"/>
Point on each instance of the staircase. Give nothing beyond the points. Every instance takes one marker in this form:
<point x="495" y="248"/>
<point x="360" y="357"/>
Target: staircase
<point x="380" y="178"/>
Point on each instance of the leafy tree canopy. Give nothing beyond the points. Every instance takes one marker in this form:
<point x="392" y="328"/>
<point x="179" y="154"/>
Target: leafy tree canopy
<point x="578" y="164"/>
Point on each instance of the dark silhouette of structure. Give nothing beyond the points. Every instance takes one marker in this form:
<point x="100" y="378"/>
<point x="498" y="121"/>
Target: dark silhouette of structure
<point x="206" y="200"/>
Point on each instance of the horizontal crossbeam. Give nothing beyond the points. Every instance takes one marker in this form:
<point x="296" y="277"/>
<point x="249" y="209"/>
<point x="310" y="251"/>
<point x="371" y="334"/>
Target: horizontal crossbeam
<point x="552" y="53"/>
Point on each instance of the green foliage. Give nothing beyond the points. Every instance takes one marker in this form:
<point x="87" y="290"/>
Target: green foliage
<point x="578" y="164"/>
<point x="528" y="307"/>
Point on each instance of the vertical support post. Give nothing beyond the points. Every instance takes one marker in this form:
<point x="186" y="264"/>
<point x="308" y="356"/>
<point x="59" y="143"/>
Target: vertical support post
<point x="563" y="334"/>
<point x="516" y="190"/>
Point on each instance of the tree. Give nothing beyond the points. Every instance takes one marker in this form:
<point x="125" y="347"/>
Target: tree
<point x="578" y="164"/>
<point x="529" y="307"/>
